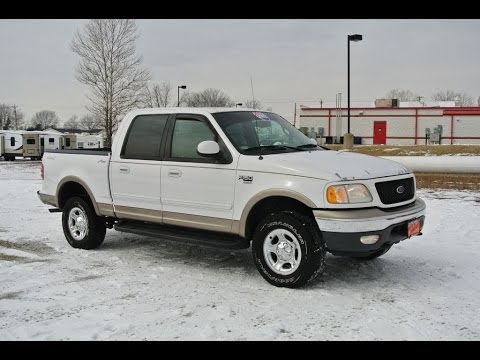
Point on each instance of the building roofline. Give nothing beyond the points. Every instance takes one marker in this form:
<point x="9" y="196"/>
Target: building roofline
<point x="460" y="108"/>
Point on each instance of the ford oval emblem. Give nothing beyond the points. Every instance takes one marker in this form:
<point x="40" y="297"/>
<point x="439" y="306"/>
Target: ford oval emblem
<point x="400" y="189"/>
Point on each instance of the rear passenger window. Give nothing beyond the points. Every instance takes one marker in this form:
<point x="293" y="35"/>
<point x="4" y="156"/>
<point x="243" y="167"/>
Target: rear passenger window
<point x="144" y="137"/>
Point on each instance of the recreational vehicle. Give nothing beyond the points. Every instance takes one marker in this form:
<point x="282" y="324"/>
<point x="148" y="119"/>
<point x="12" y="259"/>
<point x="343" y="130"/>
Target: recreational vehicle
<point x="69" y="141"/>
<point x="52" y="140"/>
<point x="2" y="145"/>
<point x="31" y="145"/>
<point x="13" y="145"/>
<point x="87" y="141"/>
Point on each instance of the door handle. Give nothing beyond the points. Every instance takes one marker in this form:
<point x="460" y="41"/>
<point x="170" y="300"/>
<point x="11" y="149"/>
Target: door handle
<point x="124" y="169"/>
<point x="174" y="173"/>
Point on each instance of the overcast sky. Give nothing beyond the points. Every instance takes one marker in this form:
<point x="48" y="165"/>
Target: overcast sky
<point x="290" y="61"/>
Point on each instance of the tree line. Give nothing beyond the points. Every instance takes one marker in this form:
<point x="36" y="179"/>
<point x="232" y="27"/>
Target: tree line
<point x="12" y="118"/>
<point x="460" y="98"/>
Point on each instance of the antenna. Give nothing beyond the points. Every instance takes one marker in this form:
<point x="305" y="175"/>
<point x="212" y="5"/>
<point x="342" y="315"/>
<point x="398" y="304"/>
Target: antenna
<point x="253" y="95"/>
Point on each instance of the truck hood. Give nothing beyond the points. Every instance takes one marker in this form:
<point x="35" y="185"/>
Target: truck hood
<point x="324" y="164"/>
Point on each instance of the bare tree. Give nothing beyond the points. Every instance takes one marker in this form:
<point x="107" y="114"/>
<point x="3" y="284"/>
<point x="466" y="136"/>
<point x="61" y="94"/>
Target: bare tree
<point x="88" y="122"/>
<point x="461" y="99"/>
<point x="208" y="97"/>
<point x="254" y="104"/>
<point x="402" y="95"/>
<point x="158" y="95"/>
<point x="71" y="123"/>
<point x="111" y="68"/>
<point x="45" y="119"/>
<point x="5" y="116"/>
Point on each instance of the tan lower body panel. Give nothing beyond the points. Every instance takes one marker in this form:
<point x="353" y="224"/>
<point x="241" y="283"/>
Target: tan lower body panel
<point x="47" y="199"/>
<point x="197" y="222"/>
<point x="126" y="212"/>
<point x="178" y="219"/>
<point x="105" y="209"/>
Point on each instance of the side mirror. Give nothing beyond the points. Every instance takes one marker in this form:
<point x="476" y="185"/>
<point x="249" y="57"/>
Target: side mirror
<point x="208" y="148"/>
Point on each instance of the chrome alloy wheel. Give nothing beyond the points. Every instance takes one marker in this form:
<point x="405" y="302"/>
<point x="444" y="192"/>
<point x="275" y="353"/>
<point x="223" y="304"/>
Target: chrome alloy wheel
<point x="77" y="223"/>
<point x="282" y="251"/>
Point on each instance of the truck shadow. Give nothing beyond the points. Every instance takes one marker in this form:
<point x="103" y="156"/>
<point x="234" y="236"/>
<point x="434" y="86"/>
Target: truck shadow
<point x="339" y="272"/>
<point x="157" y="249"/>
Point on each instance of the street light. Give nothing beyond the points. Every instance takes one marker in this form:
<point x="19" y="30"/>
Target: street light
<point x="349" y="143"/>
<point x="178" y="93"/>
<point x="238" y="104"/>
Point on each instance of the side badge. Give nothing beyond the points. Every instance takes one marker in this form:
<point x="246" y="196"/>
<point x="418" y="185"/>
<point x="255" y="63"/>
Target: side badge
<point x="246" y="179"/>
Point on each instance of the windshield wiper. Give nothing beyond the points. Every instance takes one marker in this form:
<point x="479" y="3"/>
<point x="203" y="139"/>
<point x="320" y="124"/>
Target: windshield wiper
<point x="271" y="147"/>
<point x="305" y="146"/>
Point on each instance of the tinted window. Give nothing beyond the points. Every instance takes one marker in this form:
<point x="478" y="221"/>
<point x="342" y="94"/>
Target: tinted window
<point x="42" y="141"/>
<point x="12" y="141"/>
<point x="187" y="134"/>
<point x="51" y="140"/>
<point x="31" y="141"/>
<point x="144" y="137"/>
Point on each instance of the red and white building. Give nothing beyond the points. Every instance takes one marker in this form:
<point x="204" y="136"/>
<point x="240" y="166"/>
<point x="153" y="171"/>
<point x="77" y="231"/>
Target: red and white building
<point x="396" y="125"/>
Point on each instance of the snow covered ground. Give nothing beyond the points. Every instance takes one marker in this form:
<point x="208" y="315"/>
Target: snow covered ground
<point x="441" y="164"/>
<point x="134" y="287"/>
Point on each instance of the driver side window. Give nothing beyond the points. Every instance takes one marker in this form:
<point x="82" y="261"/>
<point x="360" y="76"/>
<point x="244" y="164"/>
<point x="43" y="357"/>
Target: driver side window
<point x="187" y="134"/>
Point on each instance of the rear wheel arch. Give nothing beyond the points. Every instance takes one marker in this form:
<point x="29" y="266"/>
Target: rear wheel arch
<point x="72" y="186"/>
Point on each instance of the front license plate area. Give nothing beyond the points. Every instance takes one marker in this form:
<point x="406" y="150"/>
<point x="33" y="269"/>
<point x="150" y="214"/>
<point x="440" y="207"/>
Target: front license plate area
<point x="413" y="228"/>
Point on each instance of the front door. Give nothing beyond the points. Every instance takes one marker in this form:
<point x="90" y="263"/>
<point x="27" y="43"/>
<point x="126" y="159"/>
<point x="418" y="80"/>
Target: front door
<point x="196" y="191"/>
<point x="379" y="132"/>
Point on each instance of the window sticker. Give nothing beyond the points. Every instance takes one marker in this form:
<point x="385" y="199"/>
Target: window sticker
<point x="261" y="115"/>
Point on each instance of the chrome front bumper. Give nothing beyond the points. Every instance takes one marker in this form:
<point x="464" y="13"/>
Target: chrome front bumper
<point x="366" y="220"/>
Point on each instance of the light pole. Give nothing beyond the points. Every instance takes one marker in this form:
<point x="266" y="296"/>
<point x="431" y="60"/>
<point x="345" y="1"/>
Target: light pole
<point x="178" y="93"/>
<point x="238" y="104"/>
<point x="348" y="138"/>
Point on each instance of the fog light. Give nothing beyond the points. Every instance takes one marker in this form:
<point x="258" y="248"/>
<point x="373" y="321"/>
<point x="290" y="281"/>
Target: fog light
<point x="369" y="239"/>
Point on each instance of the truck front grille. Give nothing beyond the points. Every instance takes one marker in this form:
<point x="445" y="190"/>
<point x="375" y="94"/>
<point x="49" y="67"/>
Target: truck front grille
<point x="396" y="191"/>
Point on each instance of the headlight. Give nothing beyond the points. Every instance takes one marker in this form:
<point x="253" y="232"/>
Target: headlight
<point x="348" y="194"/>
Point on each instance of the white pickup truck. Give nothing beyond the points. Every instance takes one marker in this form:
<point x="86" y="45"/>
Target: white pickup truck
<point x="229" y="178"/>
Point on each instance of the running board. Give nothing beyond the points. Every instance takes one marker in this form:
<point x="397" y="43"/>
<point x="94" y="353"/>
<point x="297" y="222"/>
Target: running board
<point x="184" y="235"/>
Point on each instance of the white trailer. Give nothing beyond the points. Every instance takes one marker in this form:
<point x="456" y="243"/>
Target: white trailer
<point x="2" y="145"/>
<point x="52" y="140"/>
<point x="13" y="144"/>
<point x="87" y="141"/>
<point x="69" y="141"/>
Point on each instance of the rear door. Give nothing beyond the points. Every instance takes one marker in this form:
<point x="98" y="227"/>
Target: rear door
<point x="196" y="191"/>
<point x="135" y="175"/>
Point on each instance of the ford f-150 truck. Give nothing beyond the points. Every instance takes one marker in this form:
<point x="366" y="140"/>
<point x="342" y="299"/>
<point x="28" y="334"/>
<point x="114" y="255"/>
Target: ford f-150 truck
<point x="233" y="178"/>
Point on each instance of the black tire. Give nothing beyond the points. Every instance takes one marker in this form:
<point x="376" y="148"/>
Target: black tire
<point x="95" y="227"/>
<point x="309" y="239"/>
<point x="374" y="255"/>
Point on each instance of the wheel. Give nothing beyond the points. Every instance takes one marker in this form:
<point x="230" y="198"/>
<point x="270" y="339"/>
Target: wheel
<point x="374" y="255"/>
<point x="288" y="249"/>
<point x="81" y="226"/>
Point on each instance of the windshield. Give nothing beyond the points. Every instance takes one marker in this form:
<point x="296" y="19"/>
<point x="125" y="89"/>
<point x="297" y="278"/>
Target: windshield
<point x="255" y="132"/>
